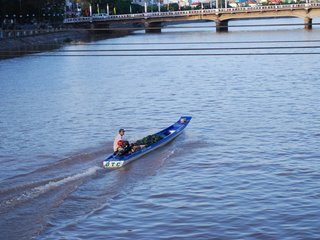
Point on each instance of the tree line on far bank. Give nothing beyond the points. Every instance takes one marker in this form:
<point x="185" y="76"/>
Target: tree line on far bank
<point x="54" y="11"/>
<point x="27" y="10"/>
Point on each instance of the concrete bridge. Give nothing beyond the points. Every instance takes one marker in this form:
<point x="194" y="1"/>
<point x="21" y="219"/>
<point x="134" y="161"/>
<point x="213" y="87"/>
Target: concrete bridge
<point x="153" y="21"/>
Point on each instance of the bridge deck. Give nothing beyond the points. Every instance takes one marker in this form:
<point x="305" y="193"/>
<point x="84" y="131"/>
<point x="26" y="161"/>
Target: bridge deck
<point x="247" y="12"/>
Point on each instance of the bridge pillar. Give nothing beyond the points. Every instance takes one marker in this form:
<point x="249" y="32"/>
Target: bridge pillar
<point x="308" y="23"/>
<point x="153" y="27"/>
<point x="222" y="26"/>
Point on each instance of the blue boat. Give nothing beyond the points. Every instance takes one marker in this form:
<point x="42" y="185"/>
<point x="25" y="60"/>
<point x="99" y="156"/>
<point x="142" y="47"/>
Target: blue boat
<point x="165" y="136"/>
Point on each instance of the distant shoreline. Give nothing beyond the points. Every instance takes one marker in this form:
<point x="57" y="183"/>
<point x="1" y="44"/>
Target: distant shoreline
<point x="19" y="46"/>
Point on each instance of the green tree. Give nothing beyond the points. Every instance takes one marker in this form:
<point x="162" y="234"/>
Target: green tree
<point x="23" y="10"/>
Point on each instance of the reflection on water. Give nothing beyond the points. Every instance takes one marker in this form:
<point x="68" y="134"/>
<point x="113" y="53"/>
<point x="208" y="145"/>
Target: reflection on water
<point x="246" y="166"/>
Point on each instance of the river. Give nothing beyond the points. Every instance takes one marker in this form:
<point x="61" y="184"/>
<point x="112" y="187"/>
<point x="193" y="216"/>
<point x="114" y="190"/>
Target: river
<point x="246" y="167"/>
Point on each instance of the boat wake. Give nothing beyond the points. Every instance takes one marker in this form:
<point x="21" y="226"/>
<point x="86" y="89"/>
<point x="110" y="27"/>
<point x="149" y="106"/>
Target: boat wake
<point x="76" y="188"/>
<point x="42" y="189"/>
<point x="112" y="187"/>
<point x="58" y="176"/>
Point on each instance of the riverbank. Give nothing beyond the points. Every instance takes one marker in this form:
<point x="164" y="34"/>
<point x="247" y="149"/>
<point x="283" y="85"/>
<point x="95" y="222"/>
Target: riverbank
<point x="15" y="47"/>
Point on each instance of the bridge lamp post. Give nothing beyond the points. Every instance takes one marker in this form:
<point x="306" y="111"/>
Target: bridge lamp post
<point x="159" y="6"/>
<point x="145" y="6"/>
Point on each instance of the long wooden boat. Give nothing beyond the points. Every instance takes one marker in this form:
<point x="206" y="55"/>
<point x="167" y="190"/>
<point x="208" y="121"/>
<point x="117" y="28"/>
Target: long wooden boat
<point x="166" y="135"/>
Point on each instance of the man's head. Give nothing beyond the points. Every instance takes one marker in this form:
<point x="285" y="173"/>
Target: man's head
<point x="121" y="131"/>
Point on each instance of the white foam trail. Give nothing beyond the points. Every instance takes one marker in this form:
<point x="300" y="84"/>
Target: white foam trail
<point x="51" y="185"/>
<point x="37" y="191"/>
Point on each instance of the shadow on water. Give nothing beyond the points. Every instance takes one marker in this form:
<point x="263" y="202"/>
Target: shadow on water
<point x="49" y="42"/>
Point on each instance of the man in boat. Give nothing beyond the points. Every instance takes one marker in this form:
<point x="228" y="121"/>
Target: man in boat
<point x="122" y="147"/>
<point x="118" y="141"/>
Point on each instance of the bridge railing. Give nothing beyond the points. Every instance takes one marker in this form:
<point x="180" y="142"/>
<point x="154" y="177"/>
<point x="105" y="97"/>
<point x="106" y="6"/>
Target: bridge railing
<point x="191" y="13"/>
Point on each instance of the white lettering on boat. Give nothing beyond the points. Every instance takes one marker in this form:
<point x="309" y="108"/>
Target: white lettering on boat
<point x="113" y="164"/>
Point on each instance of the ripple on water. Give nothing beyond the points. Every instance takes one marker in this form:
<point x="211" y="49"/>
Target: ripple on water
<point x="246" y="167"/>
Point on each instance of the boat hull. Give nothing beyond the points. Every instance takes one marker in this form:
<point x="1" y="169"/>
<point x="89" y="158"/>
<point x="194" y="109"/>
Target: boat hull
<point x="168" y="134"/>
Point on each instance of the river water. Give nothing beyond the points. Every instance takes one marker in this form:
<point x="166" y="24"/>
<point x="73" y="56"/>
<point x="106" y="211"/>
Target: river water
<point x="246" y="167"/>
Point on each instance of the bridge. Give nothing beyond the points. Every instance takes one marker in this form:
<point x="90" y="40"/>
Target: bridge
<point x="153" y="21"/>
